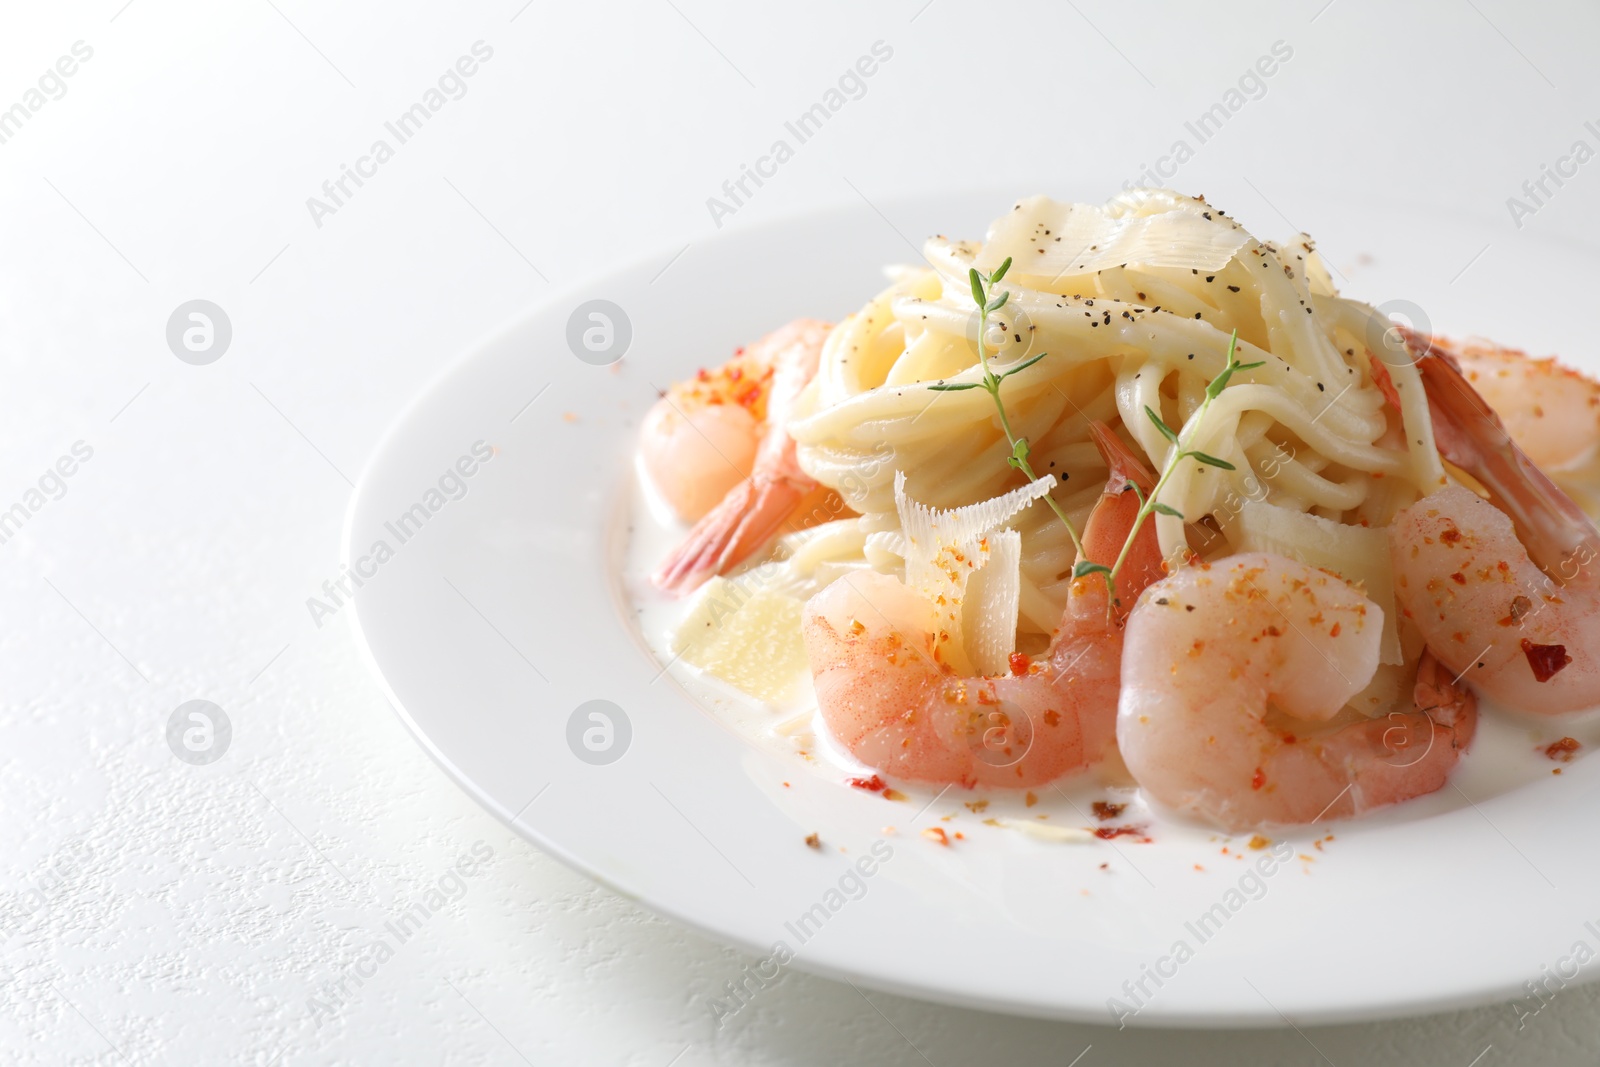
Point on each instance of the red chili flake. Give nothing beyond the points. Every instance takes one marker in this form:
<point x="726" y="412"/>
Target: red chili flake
<point x="1563" y="749"/>
<point x="1289" y="739"/>
<point x="1335" y="631"/>
<point x="1105" y="811"/>
<point x="1020" y="663"/>
<point x="1108" y="833"/>
<point x="1545" y="660"/>
<point x="871" y="785"/>
<point x="1450" y="536"/>
<point x="1258" y="779"/>
<point x="936" y="833"/>
<point x="1459" y="578"/>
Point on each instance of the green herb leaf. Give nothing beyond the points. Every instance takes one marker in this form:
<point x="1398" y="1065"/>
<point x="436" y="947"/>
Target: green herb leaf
<point x="1212" y="461"/>
<point x="1220" y="382"/>
<point x="1083" y="567"/>
<point x="991" y="385"/>
<point x="1019" y="453"/>
<point x="1024" y="365"/>
<point x="1166" y="431"/>
<point x="1167" y="510"/>
<point x="1250" y="366"/>
<point x="1137" y="492"/>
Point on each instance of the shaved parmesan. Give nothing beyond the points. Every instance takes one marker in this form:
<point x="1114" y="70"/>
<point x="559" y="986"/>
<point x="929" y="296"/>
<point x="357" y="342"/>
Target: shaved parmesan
<point x="925" y="530"/>
<point x="749" y="639"/>
<point x="989" y="617"/>
<point x="944" y="550"/>
<point x="1049" y="240"/>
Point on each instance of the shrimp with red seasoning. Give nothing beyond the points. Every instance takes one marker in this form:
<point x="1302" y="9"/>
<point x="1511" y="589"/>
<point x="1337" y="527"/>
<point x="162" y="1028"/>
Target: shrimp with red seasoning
<point x="717" y="449"/>
<point x="887" y="694"/>
<point x="1504" y="590"/>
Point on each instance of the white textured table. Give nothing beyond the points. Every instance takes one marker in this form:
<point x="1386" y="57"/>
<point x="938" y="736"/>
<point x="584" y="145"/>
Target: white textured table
<point x="158" y="911"/>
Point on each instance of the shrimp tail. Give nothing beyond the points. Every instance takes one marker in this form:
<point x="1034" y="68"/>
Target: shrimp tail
<point x="746" y="519"/>
<point x="1470" y="435"/>
<point x="1418" y="748"/>
<point x="751" y="513"/>
<point x="1113" y="517"/>
<point x="1450" y="705"/>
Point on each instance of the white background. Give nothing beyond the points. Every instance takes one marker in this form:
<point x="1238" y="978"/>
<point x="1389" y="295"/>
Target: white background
<point x="194" y="911"/>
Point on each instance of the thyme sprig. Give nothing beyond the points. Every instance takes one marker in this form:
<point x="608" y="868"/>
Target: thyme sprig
<point x="1180" y="451"/>
<point x="988" y="301"/>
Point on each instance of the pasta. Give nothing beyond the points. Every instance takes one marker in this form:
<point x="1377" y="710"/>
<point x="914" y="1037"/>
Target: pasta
<point x="1134" y="305"/>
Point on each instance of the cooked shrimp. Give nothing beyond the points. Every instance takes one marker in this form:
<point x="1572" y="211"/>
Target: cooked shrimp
<point x="724" y="433"/>
<point x="701" y="438"/>
<point x="1552" y="412"/>
<point x="1503" y="591"/>
<point x="1234" y="680"/>
<point x="1107" y="528"/>
<point x="889" y="698"/>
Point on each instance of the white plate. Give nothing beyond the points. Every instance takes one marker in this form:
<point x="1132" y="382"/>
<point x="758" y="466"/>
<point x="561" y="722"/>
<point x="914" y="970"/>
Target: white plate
<point x="506" y="611"/>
